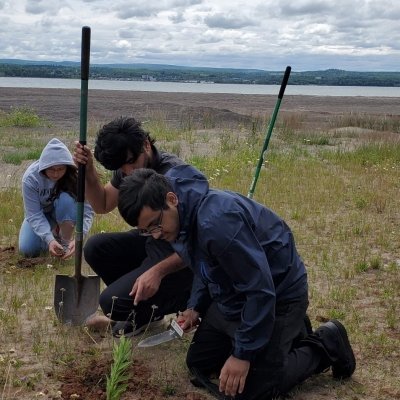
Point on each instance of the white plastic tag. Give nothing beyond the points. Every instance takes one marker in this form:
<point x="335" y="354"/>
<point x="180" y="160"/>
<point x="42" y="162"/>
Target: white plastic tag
<point x="175" y="326"/>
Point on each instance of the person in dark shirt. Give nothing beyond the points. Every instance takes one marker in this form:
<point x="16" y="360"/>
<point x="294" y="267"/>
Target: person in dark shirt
<point x="145" y="279"/>
<point x="250" y="291"/>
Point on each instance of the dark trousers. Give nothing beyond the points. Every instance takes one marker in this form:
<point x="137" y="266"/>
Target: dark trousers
<point x="119" y="259"/>
<point x="285" y="362"/>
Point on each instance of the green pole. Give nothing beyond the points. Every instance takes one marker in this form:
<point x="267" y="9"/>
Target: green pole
<point x="269" y="132"/>
<point x="85" y="59"/>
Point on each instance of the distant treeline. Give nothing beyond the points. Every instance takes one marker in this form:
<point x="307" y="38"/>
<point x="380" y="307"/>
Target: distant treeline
<point x="166" y="73"/>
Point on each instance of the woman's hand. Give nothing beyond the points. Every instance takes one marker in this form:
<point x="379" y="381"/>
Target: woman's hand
<point x="70" y="250"/>
<point x="55" y="249"/>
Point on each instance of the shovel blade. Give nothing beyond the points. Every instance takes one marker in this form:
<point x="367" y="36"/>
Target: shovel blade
<point x="76" y="299"/>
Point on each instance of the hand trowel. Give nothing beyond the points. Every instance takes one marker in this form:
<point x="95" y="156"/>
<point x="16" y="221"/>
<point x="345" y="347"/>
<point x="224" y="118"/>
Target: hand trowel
<point x="174" y="332"/>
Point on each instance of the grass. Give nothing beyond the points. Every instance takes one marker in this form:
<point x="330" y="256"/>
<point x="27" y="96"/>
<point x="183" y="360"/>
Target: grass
<point x="388" y="122"/>
<point x="341" y="201"/>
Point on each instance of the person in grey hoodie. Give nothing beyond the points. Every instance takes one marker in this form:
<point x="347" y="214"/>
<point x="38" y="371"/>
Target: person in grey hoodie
<point x="49" y="189"/>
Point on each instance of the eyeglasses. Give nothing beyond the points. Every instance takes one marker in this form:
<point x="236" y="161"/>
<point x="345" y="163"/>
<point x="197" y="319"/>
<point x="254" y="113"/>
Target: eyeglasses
<point x="154" y="229"/>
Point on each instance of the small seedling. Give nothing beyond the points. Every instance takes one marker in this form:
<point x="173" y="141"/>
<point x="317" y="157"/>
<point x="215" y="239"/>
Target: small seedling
<point x="119" y="375"/>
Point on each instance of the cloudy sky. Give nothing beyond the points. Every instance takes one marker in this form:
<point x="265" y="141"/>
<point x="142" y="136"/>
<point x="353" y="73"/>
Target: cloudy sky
<point x="361" y="35"/>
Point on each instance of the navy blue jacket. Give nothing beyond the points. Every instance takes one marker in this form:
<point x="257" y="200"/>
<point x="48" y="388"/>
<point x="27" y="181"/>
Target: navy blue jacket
<point x="243" y="256"/>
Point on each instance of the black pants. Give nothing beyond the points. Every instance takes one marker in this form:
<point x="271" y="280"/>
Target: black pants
<point x="285" y="362"/>
<point x="119" y="259"/>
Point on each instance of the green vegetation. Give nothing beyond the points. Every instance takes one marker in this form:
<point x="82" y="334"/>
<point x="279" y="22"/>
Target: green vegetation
<point x="119" y="375"/>
<point x="20" y="117"/>
<point x="337" y="189"/>
<point x="170" y="73"/>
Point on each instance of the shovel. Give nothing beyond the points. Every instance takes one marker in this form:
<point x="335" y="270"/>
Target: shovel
<point x="77" y="297"/>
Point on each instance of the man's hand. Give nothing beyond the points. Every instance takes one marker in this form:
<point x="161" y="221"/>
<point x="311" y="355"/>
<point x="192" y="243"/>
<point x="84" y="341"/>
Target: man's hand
<point x="145" y="286"/>
<point x="149" y="282"/>
<point x="82" y="155"/>
<point x="233" y="376"/>
<point x="188" y="319"/>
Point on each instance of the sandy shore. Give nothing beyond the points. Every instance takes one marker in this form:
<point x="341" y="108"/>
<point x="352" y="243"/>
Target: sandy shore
<point x="61" y="106"/>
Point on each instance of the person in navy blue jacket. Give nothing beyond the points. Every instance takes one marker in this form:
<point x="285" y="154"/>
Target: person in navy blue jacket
<point x="250" y="294"/>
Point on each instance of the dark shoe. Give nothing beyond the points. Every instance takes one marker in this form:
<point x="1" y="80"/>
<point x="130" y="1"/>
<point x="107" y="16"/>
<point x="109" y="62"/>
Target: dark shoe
<point x="196" y="383"/>
<point x="200" y="380"/>
<point x="336" y="343"/>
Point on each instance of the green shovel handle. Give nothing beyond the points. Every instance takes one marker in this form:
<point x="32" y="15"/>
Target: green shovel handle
<point x="269" y="132"/>
<point x="85" y="60"/>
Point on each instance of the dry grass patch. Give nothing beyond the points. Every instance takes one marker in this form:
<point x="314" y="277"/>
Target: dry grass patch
<point x="339" y="192"/>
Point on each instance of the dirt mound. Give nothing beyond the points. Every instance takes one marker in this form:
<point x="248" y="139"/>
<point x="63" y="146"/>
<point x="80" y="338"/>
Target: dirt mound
<point x="89" y="383"/>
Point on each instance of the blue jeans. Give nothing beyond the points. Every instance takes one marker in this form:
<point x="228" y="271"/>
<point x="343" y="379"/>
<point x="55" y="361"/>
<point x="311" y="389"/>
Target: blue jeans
<point x="64" y="209"/>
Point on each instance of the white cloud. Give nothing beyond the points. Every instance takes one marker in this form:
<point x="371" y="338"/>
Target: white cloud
<point x="308" y="34"/>
<point x="227" y="21"/>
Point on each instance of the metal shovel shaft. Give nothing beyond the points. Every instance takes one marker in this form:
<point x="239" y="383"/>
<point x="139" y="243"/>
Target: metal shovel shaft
<point x="77" y="297"/>
<point x="85" y="61"/>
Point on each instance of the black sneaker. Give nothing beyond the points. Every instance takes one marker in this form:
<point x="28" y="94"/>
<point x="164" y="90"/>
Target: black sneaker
<point x="334" y="338"/>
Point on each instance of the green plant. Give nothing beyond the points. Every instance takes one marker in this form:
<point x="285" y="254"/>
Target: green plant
<point x="21" y="117"/>
<point x="361" y="266"/>
<point x="376" y="263"/>
<point x="17" y="157"/>
<point x="119" y="375"/>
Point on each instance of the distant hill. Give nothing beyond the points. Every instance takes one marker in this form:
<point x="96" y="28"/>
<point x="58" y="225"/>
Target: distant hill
<point x="174" y="73"/>
<point x="150" y="67"/>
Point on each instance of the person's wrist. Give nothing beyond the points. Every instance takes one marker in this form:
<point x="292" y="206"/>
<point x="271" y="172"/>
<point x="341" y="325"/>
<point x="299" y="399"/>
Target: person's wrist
<point x="159" y="270"/>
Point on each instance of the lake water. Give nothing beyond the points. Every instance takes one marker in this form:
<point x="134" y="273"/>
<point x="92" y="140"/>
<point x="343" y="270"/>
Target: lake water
<point x="306" y="90"/>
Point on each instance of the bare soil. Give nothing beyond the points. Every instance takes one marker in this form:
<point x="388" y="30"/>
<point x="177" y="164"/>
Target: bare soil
<point x="61" y="107"/>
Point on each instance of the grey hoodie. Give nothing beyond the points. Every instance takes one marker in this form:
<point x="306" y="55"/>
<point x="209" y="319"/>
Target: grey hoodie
<point x="37" y="189"/>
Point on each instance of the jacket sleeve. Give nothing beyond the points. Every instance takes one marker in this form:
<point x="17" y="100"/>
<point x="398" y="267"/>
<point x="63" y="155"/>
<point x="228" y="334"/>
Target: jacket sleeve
<point x="88" y="215"/>
<point x="237" y="251"/>
<point x="34" y="213"/>
<point x="199" y="297"/>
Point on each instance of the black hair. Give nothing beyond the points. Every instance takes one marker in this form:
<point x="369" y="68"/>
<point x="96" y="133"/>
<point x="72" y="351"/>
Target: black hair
<point x="68" y="183"/>
<point x="144" y="187"/>
<point x="119" y="138"/>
